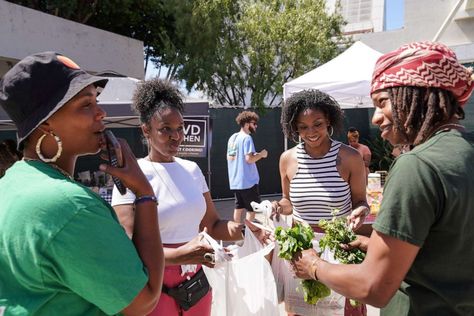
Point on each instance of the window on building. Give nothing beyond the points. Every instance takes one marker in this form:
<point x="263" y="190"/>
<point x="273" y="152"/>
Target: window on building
<point x="357" y="11"/>
<point x="470" y="5"/>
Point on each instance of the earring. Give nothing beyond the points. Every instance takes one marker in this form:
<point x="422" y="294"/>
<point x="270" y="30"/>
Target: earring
<point x="58" y="153"/>
<point x="331" y="132"/>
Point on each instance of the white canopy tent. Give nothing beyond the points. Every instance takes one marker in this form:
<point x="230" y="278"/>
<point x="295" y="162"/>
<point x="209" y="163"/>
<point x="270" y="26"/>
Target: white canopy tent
<point x="116" y="99"/>
<point x="346" y="78"/>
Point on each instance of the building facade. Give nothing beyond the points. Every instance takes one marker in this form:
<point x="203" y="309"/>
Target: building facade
<point x="448" y="21"/>
<point x="24" y="31"/>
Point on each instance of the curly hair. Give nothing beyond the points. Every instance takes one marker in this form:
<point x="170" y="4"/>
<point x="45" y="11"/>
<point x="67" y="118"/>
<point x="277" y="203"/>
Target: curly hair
<point x="7" y="158"/>
<point x="418" y="111"/>
<point x="246" y="117"/>
<point x="309" y="99"/>
<point x="154" y="96"/>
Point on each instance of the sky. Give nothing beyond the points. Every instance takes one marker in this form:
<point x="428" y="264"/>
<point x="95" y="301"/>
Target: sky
<point x="394" y="14"/>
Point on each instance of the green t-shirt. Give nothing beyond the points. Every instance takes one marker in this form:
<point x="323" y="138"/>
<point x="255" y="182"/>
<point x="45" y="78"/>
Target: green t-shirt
<point x="62" y="250"/>
<point x="428" y="202"/>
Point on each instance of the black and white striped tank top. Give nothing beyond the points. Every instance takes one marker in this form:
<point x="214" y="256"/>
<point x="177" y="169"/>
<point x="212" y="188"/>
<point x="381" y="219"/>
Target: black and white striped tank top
<point x="317" y="188"/>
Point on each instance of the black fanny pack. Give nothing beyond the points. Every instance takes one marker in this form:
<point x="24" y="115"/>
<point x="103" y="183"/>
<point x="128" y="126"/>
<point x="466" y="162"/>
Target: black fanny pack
<point x="188" y="293"/>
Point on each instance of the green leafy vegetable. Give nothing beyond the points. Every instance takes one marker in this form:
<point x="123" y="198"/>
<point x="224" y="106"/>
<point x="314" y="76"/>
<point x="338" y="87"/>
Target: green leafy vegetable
<point x="314" y="291"/>
<point x="337" y="232"/>
<point x="293" y="240"/>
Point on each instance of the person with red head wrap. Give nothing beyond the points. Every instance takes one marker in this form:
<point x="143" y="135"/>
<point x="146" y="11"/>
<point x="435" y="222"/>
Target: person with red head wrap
<point x="422" y="236"/>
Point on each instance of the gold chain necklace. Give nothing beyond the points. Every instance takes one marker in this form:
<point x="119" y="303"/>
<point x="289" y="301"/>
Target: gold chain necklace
<point x="64" y="173"/>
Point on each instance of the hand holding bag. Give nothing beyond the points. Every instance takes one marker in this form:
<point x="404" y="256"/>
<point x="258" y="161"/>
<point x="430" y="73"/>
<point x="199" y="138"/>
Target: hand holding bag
<point x="245" y="285"/>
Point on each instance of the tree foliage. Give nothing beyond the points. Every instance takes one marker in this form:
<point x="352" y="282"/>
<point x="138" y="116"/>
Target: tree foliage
<point x="79" y="11"/>
<point x="241" y="52"/>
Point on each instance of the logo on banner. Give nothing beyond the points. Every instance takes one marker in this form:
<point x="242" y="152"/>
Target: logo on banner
<point x="195" y="138"/>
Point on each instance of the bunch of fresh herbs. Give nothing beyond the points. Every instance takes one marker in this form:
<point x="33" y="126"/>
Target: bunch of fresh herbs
<point x="293" y="240"/>
<point x="337" y="232"/>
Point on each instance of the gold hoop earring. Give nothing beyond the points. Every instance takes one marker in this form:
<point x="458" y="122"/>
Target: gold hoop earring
<point x="331" y="132"/>
<point x="58" y="153"/>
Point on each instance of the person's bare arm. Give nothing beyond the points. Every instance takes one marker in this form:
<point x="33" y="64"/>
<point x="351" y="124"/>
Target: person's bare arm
<point x="367" y="156"/>
<point x="357" y="186"/>
<point x="254" y="157"/>
<point x="147" y="241"/>
<point x="374" y="281"/>
<point x="284" y="206"/>
<point x="126" y="217"/>
<point x="146" y="233"/>
<point x="218" y="228"/>
<point x="285" y="162"/>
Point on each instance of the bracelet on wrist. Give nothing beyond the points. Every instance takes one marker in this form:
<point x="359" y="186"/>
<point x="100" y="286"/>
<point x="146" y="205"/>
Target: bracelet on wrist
<point x="145" y="198"/>
<point x="314" y="269"/>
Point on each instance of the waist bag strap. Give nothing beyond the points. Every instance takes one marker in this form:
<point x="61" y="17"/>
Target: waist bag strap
<point x="188" y="293"/>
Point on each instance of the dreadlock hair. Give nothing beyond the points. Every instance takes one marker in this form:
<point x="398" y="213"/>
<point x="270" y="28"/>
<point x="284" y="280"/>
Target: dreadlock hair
<point x="155" y="95"/>
<point x="418" y="111"/>
<point x="309" y="99"/>
<point x="246" y="117"/>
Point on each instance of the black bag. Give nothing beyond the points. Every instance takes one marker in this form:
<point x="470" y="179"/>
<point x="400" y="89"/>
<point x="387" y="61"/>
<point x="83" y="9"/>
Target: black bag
<point x="188" y="293"/>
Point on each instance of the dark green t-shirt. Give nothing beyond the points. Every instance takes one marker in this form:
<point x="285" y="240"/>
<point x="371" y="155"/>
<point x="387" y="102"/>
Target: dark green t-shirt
<point x="62" y="250"/>
<point x="428" y="201"/>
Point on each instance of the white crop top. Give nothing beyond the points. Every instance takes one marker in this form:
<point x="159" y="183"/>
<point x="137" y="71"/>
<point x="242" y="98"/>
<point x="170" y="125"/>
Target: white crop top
<point x="179" y="187"/>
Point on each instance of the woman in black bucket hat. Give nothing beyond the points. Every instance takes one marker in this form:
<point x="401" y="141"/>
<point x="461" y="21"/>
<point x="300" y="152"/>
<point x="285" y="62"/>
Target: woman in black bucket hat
<point x="63" y="251"/>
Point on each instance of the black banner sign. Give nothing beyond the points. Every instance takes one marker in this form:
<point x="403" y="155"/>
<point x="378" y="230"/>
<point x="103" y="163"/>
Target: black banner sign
<point x="195" y="137"/>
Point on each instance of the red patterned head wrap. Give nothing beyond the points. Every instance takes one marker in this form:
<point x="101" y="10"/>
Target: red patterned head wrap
<point x="424" y="64"/>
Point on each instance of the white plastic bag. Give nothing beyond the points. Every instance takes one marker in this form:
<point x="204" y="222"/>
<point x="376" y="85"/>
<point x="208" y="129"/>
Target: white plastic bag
<point x="280" y="267"/>
<point x="245" y="285"/>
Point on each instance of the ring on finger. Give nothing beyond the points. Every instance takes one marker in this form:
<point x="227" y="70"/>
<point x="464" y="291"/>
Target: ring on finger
<point x="209" y="257"/>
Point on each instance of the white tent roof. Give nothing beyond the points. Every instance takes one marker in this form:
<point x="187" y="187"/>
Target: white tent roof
<point x="116" y="99"/>
<point x="346" y="78"/>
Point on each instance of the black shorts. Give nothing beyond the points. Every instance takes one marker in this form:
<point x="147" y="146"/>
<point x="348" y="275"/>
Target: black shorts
<point x="245" y="196"/>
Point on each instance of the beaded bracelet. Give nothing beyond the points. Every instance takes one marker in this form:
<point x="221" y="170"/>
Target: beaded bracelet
<point x="145" y="198"/>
